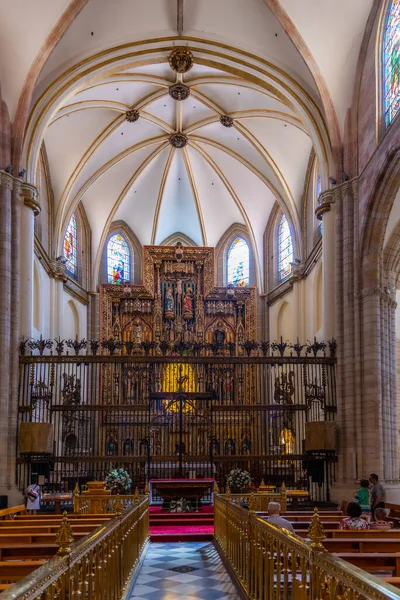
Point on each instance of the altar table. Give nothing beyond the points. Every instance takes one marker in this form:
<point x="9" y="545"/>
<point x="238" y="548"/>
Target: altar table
<point x="295" y="495"/>
<point x="56" y="499"/>
<point x="172" y="489"/>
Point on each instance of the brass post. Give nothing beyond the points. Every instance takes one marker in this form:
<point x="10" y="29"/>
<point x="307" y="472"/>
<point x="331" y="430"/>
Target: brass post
<point x="118" y="506"/>
<point x="228" y="494"/>
<point x="283" y="497"/>
<point x="146" y="488"/>
<point x="76" y="498"/>
<point x="316" y="532"/>
<point x="64" y="537"/>
<point x="216" y="488"/>
<point x="252" y="503"/>
<point x="136" y="497"/>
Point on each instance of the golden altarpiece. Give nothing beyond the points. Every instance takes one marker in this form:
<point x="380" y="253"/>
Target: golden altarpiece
<point x="177" y="384"/>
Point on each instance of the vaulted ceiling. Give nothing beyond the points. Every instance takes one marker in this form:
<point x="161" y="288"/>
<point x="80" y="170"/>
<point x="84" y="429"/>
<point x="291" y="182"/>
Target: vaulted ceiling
<point x="129" y="171"/>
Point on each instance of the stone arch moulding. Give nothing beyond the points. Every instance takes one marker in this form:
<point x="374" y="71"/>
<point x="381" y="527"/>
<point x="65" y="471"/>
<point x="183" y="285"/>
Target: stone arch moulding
<point x="221" y="254"/>
<point x="210" y="53"/>
<point x="37" y="297"/>
<point x="377" y="212"/>
<point x="283" y="320"/>
<point x="75" y="313"/>
<point x="135" y="249"/>
<point x="174" y="238"/>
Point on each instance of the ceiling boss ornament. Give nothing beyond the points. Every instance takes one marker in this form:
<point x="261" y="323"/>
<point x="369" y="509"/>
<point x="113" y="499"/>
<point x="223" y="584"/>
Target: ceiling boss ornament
<point x="178" y="140"/>
<point x="179" y="91"/>
<point x="181" y="60"/>
<point x="132" y="115"/>
<point x="226" y="120"/>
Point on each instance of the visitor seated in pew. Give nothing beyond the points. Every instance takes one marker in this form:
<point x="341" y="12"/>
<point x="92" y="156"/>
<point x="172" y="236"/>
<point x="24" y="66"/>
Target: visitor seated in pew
<point x="380" y="520"/>
<point x="362" y="496"/>
<point x="354" y="520"/>
<point x="274" y="518"/>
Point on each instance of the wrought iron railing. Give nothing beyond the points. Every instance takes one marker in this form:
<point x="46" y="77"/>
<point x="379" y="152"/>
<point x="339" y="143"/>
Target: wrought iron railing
<point x="98" y="566"/>
<point x="269" y="563"/>
<point x="222" y="412"/>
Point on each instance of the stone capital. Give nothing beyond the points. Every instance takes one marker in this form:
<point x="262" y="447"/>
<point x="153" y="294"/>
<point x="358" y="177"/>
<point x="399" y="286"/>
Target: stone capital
<point x="58" y="269"/>
<point x="30" y="197"/>
<point x="6" y="180"/>
<point x="297" y="271"/>
<point x="325" y="201"/>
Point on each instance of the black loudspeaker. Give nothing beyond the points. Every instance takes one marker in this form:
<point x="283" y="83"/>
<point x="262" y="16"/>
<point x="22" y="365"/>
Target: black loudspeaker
<point x="3" y="502"/>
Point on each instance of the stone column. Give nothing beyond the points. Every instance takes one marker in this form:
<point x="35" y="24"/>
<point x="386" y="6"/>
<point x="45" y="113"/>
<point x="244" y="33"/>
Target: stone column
<point x="29" y="208"/>
<point x="326" y="212"/>
<point x="6" y="187"/>
<point x="58" y="268"/>
<point x="298" y="314"/>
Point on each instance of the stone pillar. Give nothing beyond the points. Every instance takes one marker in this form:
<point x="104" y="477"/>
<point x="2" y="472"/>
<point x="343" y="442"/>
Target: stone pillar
<point x="29" y="208"/>
<point x="298" y="308"/>
<point x="58" y="269"/>
<point x="6" y="187"/>
<point x="326" y="212"/>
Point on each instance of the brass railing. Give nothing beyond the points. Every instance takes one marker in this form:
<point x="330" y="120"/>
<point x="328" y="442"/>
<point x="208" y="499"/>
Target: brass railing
<point x="270" y="564"/>
<point x="101" y="504"/>
<point x="97" y="567"/>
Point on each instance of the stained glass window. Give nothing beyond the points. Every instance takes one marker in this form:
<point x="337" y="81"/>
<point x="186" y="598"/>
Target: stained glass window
<point x="118" y="259"/>
<point x="317" y="195"/>
<point x="238" y="263"/>
<point x="391" y="62"/>
<point x="70" y="246"/>
<point x="285" y="249"/>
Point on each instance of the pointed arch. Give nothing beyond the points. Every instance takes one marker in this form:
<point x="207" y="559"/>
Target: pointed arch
<point x="235" y="231"/>
<point x="118" y="259"/>
<point x="174" y="238"/>
<point x="134" y="273"/>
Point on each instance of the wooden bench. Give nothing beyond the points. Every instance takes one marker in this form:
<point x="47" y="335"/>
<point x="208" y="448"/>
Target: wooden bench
<point x="372" y="562"/>
<point x="394" y="513"/>
<point x="9" y="513"/>
<point x="16" y="570"/>
<point x="22" y="551"/>
<point x="363" y="545"/>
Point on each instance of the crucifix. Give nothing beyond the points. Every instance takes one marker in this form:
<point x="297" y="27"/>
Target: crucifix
<point x="179" y="16"/>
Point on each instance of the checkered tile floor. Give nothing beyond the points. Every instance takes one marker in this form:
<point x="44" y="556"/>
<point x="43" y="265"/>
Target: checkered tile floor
<point x="190" y="570"/>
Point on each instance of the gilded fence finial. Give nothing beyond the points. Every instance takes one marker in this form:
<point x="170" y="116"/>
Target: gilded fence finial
<point x="64" y="537"/>
<point x="76" y="497"/>
<point x="283" y="488"/>
<point x="118" y="506"/>
<point x="136" y="497"/>
<point x="228" y="494"/>
<point x="316" y="532"/>
<point x="252" y="503"/>
<point x="146" y="488"/>
<point x="216" y="488"/>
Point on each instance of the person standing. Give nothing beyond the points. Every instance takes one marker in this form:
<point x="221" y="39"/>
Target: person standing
<point x="33" y="495"/>
<point x="377" y="494"/>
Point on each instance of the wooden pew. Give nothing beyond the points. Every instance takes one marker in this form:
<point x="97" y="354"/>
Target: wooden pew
<point x="363" y="545"/>
<point x="372" y="562"/>
<point x="8" y="513"/>
<point x="21" y="551"/>
<point x="14" y="571"/>
<point x="394" y="513"/>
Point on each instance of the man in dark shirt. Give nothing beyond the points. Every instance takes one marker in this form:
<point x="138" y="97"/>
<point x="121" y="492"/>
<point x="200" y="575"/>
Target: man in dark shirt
<point x="377" y="494"/>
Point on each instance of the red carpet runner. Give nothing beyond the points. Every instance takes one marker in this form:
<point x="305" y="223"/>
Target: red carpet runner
<point x="181" y="527"/>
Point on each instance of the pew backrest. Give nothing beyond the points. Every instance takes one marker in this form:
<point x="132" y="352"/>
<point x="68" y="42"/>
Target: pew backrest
<point x="10" y="513"/>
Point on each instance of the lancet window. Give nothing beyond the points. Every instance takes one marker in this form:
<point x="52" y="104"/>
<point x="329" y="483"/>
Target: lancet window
<point x="238" y="263"/>
<point x="391" y="62"/>
<point x="118" y="259"/>
<point x="70" y="246"/>
<point x="285" y="249"/>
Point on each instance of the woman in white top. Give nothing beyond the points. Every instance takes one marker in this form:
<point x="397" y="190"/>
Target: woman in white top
<point x="33" y="498"/>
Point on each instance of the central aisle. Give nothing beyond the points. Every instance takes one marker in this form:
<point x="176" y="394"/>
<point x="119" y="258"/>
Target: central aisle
<point x="190" y="570"/>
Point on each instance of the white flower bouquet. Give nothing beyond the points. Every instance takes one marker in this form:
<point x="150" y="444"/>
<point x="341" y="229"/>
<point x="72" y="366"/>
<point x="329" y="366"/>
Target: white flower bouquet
<point x="181" y="505"/>
<point x="118" y="481"/>
<point x="238" y="479"/>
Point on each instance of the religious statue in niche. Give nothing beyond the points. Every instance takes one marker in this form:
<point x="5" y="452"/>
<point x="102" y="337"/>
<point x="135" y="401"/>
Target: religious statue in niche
<point x="245" y="444"/>
<point x="215" y="447"/>
<point x="111" y="446"/>
<point x="71" y="393"/>
<point x="169" y="312"/>
<point x="219" y="333"/>
<point x="137" y="332"/>
<point x="188" y="304"/>
<point x="128" y="448"/>
<point x="284" y="388"/>
<point x="230" y="447"/>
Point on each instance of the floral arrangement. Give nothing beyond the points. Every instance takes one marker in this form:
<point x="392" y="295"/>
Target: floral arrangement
<point x="181" y="505"/>
<point x="238" y="479"/>
<point x="118" y="481"/>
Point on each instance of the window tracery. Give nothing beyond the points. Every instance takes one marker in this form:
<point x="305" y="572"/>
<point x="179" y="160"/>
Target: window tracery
<point x="391" y="62"/>
<point x="285" y="249"/>
<point x="238" y="263"/>
<point x="118" y="259"/>
<point x="70" y="246"/>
